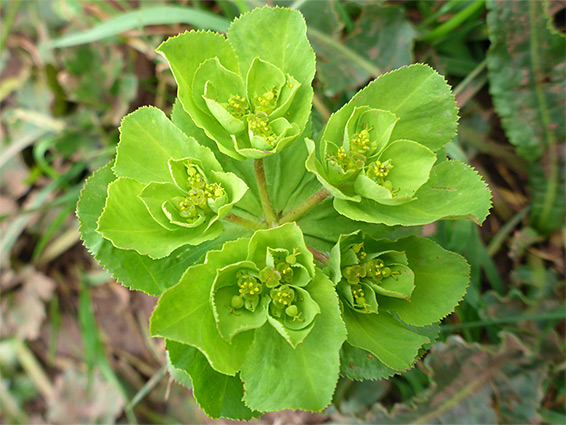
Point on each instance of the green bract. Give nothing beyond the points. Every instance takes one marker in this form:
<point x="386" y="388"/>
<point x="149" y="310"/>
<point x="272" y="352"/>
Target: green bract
<point x="364" y="162"/>
<point x="385" y="286"/>
<point x="163" y="198"/>
<point x="376" y="154"/>
<point x="251" y="92"/>
<point x="259" y="308"/>
<point x="267" y="243"/>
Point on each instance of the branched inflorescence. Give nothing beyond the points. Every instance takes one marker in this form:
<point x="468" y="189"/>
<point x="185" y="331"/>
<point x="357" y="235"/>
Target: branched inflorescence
<point x="225" y="219"/>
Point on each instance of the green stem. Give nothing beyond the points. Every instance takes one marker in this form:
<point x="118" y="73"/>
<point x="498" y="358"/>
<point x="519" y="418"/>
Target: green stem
<point x="319" y="105"/>
<point x="263" y="194"/>
<point x="33" y="369"/>
<point x="454" y="22"/>
<point x="318" y="256"/>
<point x="348" y="54"/>
<point x="497" y="241"/>
<point x="466" y="81"/>
<point x="298" y="212"/>
<point x="471" y="84"/>
<point x="244" y="222"/>
<point x="148" y="386"/>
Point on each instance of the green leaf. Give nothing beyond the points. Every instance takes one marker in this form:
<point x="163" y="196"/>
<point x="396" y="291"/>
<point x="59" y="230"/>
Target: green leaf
<point x="262" y="75"/>
<point x="322" y="226"/>
<point x="400" y="286"/>
<point x="213" y="85"/>
<point x="359" y="364"/>
<point x="418" y="96"/>
<point x="315" y="166"/>
<point x="412" y="163"/>
<point x="180" y="376"/>
<point x="441" y="279"/>
<point x="250" y="203"/>
<point x="219" y="395"/>
<point x="286" y="181"/>
<point x="203" y="46"/>
<point x="184" y="313"/>
<point x="127" y="223"/>
<point x="380" y="334"/>
<point x="295" y="331"/>
<point x="527" y="77"/>
<point x="278" y="377"/>
<point x="148" y="140"/>
<point x="230" y="321"/>
<point x="133" y="270"/>
<point x="278" y="36"/>
<point x="153" y="196"/>
<point x="454" y="191"/>
<point x="287" y="236"/>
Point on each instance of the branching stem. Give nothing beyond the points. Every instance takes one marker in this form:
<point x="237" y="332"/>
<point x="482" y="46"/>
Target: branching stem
<point x="244" y="222"/>
<point x="318" y="256"/>
<point x="263" y="194"/>
<point x="302" y="209"/>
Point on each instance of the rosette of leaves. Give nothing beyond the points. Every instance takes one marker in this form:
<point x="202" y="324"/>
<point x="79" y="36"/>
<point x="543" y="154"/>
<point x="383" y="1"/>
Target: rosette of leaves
<point x="170" y="191"/>
<point x="379" y="156"/>
<point x="262" y="316"/>
<point x="390" y="292"/>
<point x="250" y="92"/>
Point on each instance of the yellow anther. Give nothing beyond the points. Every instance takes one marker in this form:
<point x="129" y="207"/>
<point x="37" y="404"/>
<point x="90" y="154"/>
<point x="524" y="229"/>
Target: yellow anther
<point x="267" y="102"/>
<point x="237" y="106"/>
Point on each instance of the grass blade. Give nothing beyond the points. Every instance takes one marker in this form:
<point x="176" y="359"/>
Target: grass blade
<point x="348" y="53"/>
<point x="160" y="15"/>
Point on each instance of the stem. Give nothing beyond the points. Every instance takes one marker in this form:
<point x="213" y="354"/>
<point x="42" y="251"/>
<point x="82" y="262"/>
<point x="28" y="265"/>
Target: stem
<point x="244" y="222"/>
<point x="349" y="54"/>
<point x="454" y="22"/>
<point x="319" y="105"/>
<point x="318" y="256"/>
<point x="33" y="369"/>
<point x="298" y="212"/>
<point x="263" y="194"/>
<point x="471" y="84"/>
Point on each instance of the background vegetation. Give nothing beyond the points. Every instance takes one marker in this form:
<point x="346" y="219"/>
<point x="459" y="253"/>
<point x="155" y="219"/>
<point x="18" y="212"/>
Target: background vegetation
<point x="74" y="344"/>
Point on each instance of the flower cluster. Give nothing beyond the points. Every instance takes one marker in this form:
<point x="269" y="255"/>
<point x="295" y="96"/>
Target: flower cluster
<point x="251" y="100"/>
<point x="254" y="307"/>
<point x="366" y="160"/>
<point x="377" y="280"/>
<point x="178" y="198"/>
